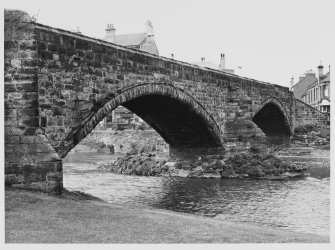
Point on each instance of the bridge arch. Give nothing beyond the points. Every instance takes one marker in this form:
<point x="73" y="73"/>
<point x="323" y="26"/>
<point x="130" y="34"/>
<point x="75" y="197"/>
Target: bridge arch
<point x="271" y="117"/>
<point x="173" y="113"/>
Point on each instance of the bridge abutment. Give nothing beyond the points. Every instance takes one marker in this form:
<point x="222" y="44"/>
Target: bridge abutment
<point x="30" y="159"/>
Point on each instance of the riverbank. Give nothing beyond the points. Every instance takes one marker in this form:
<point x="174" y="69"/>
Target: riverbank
<point x="33" y="217"/>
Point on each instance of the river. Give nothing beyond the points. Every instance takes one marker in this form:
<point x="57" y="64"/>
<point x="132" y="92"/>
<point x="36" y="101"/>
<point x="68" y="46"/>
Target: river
<point x="301" y="205"/>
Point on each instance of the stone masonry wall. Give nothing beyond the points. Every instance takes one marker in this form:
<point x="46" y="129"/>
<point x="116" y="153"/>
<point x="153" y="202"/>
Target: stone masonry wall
<point x="79" y="75"/>
<point x="306" y="114"/>
<point x="27" y="149"/>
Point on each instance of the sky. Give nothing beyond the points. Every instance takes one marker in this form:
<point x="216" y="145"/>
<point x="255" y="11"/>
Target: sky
<point x="266" y="40"/>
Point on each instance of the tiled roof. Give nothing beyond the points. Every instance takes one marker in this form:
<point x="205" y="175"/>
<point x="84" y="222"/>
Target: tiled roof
<point x="300" y="88"/>
<point x="325" y="78"/>
<point x="150" y="47"/>
<point x="130" y="39"/>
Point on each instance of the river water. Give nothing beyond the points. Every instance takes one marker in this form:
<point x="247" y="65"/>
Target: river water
<point x="301" y="205"/>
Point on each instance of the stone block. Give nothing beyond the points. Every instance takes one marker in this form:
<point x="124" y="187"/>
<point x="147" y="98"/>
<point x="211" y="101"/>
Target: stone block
<point x="9" y="139"/>
<point x="27" y="112"/>
<point x="11" y="113"/>
<point x="9" y="87"/>
<point x="27" y="70"/>
<point x="54" y="176"/>
<point x="28" y="86"/>
<point x="44" y="147"/>
<point x="47" y="156"/>
<point x="10" y="122"/>
<point x="27" y="139"/>
<point x="16" y="63"/>
<point x="10" y="179"/>
<point x="26" y="122"/>
<point x="52" y="166"/>
<point x="9" y="148"/>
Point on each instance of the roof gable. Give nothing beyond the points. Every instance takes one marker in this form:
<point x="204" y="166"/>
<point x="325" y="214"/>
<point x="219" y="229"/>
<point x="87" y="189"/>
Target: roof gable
<point x="130" y="39"/>
<point x="326" y="78"/>
<point x="301" y="87"/>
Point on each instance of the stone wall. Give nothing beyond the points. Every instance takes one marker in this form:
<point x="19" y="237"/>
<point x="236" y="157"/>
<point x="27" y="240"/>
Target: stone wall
<point x="306" y="114"/>
<point x="30" y="160"/>
<point x="81" y="79"/>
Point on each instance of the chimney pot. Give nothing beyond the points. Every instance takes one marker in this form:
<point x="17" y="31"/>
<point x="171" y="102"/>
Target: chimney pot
<point x="320" y="68"/>
<point x="110" y="33"/>
<point x="222" y="64"/>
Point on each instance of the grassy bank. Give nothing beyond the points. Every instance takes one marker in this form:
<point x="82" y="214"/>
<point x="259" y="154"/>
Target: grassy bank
<point x="33" y="217"/>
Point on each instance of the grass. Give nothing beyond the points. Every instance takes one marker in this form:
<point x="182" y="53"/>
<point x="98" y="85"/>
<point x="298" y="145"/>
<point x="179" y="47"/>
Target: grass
<point x="33" y="217"/>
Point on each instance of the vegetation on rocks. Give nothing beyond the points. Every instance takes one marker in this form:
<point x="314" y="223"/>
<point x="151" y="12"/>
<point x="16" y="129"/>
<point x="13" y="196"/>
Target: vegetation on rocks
<point x="244" y="165"/>
<point x="311" y="134"/>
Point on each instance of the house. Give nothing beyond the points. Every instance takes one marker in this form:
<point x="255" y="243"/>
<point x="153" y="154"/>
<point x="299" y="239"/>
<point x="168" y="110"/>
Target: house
<point x="301" y="86"/>
<point x="142" y="41"/>
<point x="315" y="91"/>
<point x="122" y="118"/>
<point x="207" y="64"/>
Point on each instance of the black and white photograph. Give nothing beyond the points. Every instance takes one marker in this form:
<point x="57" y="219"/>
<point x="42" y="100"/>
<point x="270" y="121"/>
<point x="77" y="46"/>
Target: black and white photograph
<point x="169" y="122"/>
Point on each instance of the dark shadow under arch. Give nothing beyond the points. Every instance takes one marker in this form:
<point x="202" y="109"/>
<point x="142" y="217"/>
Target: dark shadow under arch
<point x="175" y="115"/>
<point x="272" y="120"/>
<point x="174" y="120"/>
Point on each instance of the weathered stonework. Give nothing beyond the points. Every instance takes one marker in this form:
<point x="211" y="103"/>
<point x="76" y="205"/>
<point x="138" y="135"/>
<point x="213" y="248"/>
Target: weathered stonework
<point x="30" y="159"/>
<point x="59" y="85"/>
<point x="305" y="114"/>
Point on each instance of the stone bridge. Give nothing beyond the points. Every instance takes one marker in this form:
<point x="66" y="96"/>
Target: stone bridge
<point x="59" y="85"/>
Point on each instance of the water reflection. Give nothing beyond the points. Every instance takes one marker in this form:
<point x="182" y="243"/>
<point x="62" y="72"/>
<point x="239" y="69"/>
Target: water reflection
<point x="301" y="205"/>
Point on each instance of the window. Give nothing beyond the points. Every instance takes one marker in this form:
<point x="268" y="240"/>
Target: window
<point x="308" y="97"/>
<point x="326" y="91"/>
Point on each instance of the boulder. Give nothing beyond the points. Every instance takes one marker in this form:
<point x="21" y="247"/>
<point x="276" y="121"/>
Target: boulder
<point x="183" y="173"/>
<point x="187" y="166"/>
<point x="212" y="175"/>
<point x="173" y="172"/>
<point x="197" y="172"/>
<point x="170" y="164"/>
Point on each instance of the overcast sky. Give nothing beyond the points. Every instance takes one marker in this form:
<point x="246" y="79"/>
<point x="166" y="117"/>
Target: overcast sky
<point x="270" y="40"/>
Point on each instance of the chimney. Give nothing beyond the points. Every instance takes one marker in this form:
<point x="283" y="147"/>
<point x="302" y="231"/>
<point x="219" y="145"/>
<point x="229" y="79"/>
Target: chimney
<point x="202" y="59"/>
<point x="77" y="31"/>
<point x="291" y="83"/>
<point x="149" y="30"/>
<point x="172" y="56"/>
<point x="110" y="33"/>
<point x="320" y="68"/>
<point x="222" y="64"/>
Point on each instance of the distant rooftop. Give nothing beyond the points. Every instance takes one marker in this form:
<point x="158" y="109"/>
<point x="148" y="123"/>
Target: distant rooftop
<point x="130" y="39"/>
